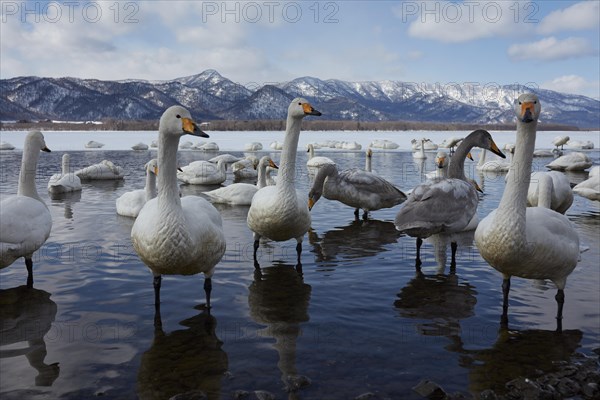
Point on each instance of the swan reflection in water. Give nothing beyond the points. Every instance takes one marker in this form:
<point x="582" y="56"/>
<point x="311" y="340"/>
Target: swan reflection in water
<point x="186" y="360"/>
<point x="359" y="239"/>
<point x="66" y="200"/>
<point x="279" y="299"/>
<point x="527" y="353"/>
<point x="26" y="315"/>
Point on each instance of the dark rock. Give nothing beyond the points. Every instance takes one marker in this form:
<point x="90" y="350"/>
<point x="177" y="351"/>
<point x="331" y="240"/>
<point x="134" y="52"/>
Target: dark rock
<point x="430" y="389"/>
<point x="591" y="391"/>
<point x="264" y="395"/>
<point x="568" y="387"/>
<point x="488" y="394"/>
<point x="523" y="388"/>
<point x="191" y="395"/>
<point x="296" y="382"/>
<point x="241" y="394"/>
<point x="365" y="396"/>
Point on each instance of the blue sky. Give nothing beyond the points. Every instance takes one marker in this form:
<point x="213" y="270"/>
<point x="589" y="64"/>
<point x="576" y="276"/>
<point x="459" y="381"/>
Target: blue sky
<point x="551" y="44"/>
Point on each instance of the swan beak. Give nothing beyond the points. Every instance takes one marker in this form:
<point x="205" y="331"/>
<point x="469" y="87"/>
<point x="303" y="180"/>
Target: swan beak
<point x="179" y="169"/>
<point x="311" y="203"/>
<point x="477" y="187"/>
<point x="527" y="111"/>
<point x="309" y="110"/>
<point x="273" y="165"/>
<point x="470" y="156"/>
<point x="191" y="128"/>
<point x="494" y="149"/>
<point x="46" y="149"/>
<point x="155" y="170"/>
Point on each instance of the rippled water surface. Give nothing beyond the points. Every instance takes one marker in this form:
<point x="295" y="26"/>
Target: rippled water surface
<point x="358" y="319"/>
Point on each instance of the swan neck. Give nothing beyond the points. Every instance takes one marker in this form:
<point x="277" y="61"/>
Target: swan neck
<point x="482" y="157"/>
<point x="262" y="175"/>
<point x="28" y="172"/>
<point x="514" y="199"/>
<point x="168" y="190"/>
<point x="311" y="151"/>
<point x="456" y="169"/>
<point x="65" y="164"/>
<point x="287" y="167"/>
<point x="544" y="190"/>
<point x="150" y="188"/>
<point x="368" y="164"/>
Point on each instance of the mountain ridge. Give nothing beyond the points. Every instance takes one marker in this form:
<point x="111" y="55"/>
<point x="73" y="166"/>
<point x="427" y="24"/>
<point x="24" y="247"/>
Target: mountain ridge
<point x="211" y="96"/>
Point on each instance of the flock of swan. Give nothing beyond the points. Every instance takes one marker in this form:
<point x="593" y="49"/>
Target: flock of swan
<point x="527" y="236"/>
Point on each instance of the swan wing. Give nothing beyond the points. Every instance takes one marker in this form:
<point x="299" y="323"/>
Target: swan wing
<point x="25" y="224"/>
<point x="236" y="193"/>
<point x="445" y="206"/>
<point x="129" y="204"/>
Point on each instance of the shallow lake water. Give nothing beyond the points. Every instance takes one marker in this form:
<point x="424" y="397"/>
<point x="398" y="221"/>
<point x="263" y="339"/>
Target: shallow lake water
<point x="358" y="319"/>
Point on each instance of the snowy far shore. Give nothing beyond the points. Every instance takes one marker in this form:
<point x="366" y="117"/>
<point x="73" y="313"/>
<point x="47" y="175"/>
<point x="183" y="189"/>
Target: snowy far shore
<point x="236" y="141"/>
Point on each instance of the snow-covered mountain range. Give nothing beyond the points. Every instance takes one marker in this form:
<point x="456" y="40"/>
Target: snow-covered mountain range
<point x="211" y="96"/>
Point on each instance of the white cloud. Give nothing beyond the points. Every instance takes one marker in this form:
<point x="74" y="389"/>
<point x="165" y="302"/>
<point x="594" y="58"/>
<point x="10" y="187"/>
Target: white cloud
<point x="551" y="49"/>
<point x="580" y="16"/>
<point x="454" y="22"/>
<point x="574" y="84"/>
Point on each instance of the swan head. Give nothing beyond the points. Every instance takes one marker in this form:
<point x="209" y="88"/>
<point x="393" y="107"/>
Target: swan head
<point x="441" y="159"/>
<point x="36" y="140"/>
<point x="152" y="166"/>
<point x="483" y="139"/>
<point x="369" y="153"/>
<point x="300" y="108"/>
<point x="176" y="120"/>
<point x="267" y="162"/>
<point x="527" y="108"/>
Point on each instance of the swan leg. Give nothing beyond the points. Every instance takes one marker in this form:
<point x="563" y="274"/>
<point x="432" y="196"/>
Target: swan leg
<point x="560" y="300"/>
<point x="365" y="215"/>
<point x="207" y="290"/>
<point x="356" y="212"/>
<point x="505" y="290"/>
<point x="157" y="319"/>
<point x="418" y="260"/>
<point x="29" y="265"/>
<point x="299" y="250"/>
<point x="256" y="244"/>
<point x="453" y="247"/>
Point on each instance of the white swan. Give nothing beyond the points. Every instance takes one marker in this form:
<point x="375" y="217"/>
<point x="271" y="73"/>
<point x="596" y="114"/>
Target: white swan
<point x="6" y="146"/>
<point x="104" y="170"/>
<point x="448" y="205"/>
<point x="426" y="144"/>
<point x="228" y="158"/>
<point x="451" y="143"/>
<point x="242" y="193"/>
<point x="254" y="146"/>
<point x="355" y="188"/>
<point x="203" y="173"/>
<point x="276" y="145"/>
<point x="129" y="204"/>
<point x="66" y="181"/>
<point x="590" y="188"/>
<point x="139" y="146"/>
<point x="384" y="144"/>
<point x="543" y="153"/>
<point x="493" y="165"/>
<point x="528" y="242"/>
<point x="210" y="146"/>
<point x="93" y="145"/>
<point x="173" y="235"/>
<point x="551" y="190"/>
<point x="441" y="162"/>
<point x="314" y="163"/>
<point x="280" y="212"/>
<point x="420" y="153"/>
<point x="580" y="144"/>
<point x="571" y="162"/>
<point x="246" y="168"/>
<point x="560" y="141"/>
<point x="25" y="221"/>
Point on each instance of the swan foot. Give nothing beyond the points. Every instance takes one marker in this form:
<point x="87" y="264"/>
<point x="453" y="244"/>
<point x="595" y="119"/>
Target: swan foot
<point x="453" y="246"/>
<point x="207" y="290"/>
<point x="299" y="268"/>
<point x="29" y="265"/>
<point x="560" y="300"/>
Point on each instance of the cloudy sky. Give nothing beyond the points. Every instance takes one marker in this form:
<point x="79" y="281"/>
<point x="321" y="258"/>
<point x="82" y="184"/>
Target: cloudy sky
<point x="551" y="44"/>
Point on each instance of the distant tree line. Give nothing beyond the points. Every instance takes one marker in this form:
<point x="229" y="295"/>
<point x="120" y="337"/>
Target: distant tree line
<point x="272" y="125"/>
